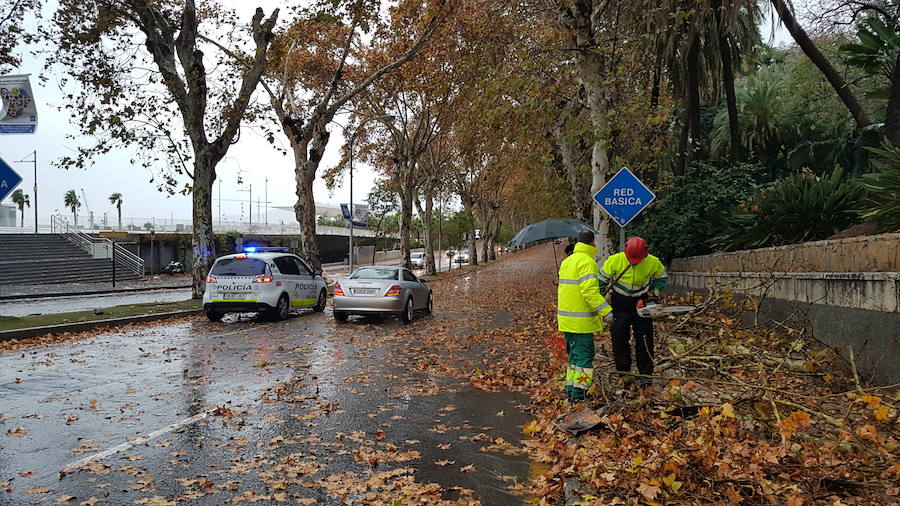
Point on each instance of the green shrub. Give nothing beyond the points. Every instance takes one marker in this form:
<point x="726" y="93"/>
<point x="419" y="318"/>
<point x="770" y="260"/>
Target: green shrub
<point x="883" y="206"/>
<point x="683" y="221"/>
<point x="799" y="208"/>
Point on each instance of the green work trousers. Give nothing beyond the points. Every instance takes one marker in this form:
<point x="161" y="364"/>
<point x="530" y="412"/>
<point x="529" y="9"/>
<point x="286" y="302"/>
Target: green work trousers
<point x="580" y="370"/>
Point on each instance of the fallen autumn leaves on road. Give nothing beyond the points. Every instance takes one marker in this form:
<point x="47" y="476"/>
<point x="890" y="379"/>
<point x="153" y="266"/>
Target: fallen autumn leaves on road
<point x="738" y="415"/>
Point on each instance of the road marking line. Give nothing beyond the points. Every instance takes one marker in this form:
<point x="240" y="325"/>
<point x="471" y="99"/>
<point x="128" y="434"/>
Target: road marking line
<point x="131" y="444"/>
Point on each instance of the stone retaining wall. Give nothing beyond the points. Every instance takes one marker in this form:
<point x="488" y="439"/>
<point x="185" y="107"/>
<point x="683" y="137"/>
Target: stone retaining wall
<point x="846" y="293"/>
<point x="873" y="253"/>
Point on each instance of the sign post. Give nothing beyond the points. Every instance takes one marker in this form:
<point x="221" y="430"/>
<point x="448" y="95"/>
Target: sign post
<point x="623" y="197"/>
<point x="9" y="179"/>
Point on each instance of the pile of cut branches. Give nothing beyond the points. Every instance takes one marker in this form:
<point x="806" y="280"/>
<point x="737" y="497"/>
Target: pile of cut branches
<point x="735" y="415"/>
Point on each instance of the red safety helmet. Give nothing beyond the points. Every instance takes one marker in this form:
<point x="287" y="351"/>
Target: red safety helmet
<point x="636" y="250"/>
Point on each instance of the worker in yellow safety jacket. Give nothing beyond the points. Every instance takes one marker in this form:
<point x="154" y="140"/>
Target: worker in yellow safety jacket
<point x="580" y="312"/>
<point x="638" y="277"/>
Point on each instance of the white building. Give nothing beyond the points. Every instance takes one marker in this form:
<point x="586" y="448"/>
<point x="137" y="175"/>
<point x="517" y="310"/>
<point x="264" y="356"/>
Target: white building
<point x="9" y="215"/>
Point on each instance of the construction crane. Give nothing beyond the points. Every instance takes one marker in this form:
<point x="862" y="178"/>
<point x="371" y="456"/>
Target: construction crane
<point x="88" y="207"/>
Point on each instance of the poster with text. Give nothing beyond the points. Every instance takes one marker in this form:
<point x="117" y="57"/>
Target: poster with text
<point x="18" y="114"/>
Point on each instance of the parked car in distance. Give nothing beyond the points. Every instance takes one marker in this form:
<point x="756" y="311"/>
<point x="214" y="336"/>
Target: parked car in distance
<point x="417" y="260"/>
<point x="268" y="281"/>
<point x="462" y="257"/>
<point x="384" y="291"/>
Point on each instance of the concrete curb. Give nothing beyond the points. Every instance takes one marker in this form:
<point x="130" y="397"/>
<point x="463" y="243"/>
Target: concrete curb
<point x="95" y="292"/>
<point x="8" y="335"/>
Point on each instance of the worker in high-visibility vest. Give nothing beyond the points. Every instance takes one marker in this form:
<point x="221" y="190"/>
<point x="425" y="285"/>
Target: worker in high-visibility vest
<point x="640" y="277"/>
<point x="580" y="312"/>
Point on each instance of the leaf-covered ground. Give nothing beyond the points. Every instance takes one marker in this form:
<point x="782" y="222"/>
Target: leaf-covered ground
<point x="736" y="414"/>
<point x="310" y="411"/>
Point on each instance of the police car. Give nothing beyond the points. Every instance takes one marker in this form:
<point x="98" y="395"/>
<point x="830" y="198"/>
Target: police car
<point x="268" y="281"/>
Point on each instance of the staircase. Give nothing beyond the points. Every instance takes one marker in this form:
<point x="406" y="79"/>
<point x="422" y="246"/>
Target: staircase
<point x="51" y="258"/>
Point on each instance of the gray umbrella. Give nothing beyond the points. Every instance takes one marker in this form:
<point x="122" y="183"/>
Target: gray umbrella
<point x="553" y="228"/>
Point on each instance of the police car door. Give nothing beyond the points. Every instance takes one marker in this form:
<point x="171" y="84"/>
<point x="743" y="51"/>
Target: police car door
<point x="289" y="276"/>
<point x="306" y="284"/>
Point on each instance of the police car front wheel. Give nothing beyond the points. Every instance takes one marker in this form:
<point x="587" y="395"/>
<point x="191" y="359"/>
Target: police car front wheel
<point x="320" y="304"/>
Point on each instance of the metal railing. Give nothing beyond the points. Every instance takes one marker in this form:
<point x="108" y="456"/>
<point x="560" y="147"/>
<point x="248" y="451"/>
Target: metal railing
<point x="123" y="257"/>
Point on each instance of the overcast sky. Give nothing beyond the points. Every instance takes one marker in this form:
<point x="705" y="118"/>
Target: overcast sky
<point x="252" y="157"/>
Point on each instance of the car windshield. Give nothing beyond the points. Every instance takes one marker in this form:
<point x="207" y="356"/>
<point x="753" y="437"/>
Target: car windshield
<point x="375" y="273"/>
<point x="417" y="255"/>
<point x="238" y="267"/>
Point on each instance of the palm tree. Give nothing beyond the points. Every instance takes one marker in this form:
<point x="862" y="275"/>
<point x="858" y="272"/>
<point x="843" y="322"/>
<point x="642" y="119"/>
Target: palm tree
<point x="71" y="201"/>
<point x="702" y="50"/>
<point x="116" y="200"/>
<point x="785" y="10"/>
<point x="20" y="199"/>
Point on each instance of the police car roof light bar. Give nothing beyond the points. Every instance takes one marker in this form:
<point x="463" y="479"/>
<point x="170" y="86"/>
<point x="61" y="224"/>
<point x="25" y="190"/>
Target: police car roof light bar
<point x="264" y="249"/>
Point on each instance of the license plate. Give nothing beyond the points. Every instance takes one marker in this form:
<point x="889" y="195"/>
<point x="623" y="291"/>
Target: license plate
<point x="365" y="291"/>
<point x="235" y="296"/>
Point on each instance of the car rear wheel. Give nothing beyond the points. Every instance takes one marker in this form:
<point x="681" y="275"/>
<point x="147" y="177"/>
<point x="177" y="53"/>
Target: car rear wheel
<point x="340" y="316"/>
<point x="320" y="304"/>
<point x="283" y="309"/>
<point x="408" y="314"/>
<point x="430" y="307"/>
<point x="214" y="316"/>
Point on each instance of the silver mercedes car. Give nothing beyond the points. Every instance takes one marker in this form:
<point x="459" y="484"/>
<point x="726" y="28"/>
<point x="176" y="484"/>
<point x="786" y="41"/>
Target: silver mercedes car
<point x="382" y="290"/>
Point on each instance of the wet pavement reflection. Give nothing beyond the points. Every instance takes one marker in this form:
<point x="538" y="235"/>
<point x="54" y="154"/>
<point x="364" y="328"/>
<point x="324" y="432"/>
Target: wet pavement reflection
<point x="301" y="410"/>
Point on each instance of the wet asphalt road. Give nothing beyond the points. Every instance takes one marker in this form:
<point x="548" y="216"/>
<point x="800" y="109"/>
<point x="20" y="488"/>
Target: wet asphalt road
<point x="25" y="307"/>
<point x="305" y="409"/>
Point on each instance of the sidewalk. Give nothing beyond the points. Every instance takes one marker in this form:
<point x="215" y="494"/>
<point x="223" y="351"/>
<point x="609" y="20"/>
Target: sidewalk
<point x="155" y="282"/>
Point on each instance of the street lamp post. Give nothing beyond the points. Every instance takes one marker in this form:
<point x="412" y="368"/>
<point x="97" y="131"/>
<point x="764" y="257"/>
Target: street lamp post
<point x="34" y="161"/>
<point x="385" y="118"/>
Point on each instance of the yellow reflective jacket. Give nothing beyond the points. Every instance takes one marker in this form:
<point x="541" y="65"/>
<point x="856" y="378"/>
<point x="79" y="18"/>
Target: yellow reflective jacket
<point x="649" y="274"/>
<point x="580" y="305"/>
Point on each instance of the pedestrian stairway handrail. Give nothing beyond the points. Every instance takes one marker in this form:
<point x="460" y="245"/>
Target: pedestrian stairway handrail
<point x="132" y="262"/>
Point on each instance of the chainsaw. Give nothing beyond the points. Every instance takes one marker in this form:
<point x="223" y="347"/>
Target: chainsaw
<point x="654" y="310"/>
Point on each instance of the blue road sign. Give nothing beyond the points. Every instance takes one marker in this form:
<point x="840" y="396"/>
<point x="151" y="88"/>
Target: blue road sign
<point x="623" y="197"/>
<point x="9" y="179"/>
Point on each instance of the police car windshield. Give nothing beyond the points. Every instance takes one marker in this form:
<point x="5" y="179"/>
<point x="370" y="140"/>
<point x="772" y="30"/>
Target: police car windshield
<point x="375" y="273"/>
<point x="239" y="267"/>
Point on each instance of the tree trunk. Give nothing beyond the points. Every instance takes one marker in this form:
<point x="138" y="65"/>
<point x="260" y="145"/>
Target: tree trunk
<point x="22" y="212"/>
<point x="567" y="153"/>
<point x="406" y="204"/>
<point x="693" y="99"/>
<point x="654" y="88"/>
<point x="590" y="74"/>
<point x="202" y="239"/>
<point x="119" y="210"/>
<point x="728" y="83"/>
<point x="305" y="213"/>
<point x="427" y="220"/>
<point x="892" y="116"/>
<point x="485" y="241"/>
<point x="494" y="237"/>
<point x="307" y="155"/>
<point x="473" y="250"/>
<point x="819" y="60"/>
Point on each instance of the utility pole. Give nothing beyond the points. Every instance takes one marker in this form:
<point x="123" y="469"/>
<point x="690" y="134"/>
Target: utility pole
<point x="34" y="161"/>
<point x="387" y="119"/>
<point x="250" y="205"/>
<point x="267" y="201"/>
